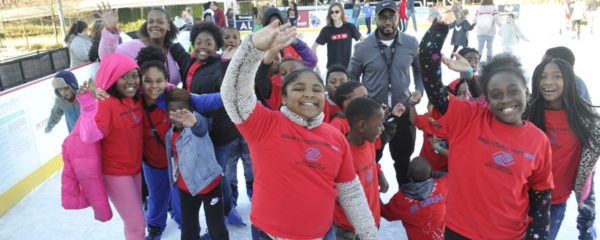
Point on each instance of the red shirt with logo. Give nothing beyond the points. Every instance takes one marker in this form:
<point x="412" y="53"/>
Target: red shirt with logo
<point x="180" y="182"/>
<point x="120" y="121"/>
<point x="368" y="173"/>
<point x="566" y="153"/>
<point x="155" y="153"/>
<point x="492" y="165"/>
<point x="437" y="161"/>
<point x="295" y="171"/>
<point x="422" y="219"/>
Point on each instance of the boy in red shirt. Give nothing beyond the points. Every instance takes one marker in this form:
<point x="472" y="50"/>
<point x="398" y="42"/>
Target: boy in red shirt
<point x="336" y="76"/>
<point x="365" y="117"/>
<point x="421" y="203"/>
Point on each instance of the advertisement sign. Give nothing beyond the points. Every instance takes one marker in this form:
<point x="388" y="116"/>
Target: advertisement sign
<point x="318" y="18"/>
<point x="244" y="22"/>
<point x="303" y="19"/>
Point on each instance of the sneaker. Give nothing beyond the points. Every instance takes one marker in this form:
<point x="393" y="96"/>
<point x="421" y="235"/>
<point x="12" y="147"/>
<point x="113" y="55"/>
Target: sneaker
<point x="154" y="233"/>
<point x="205" y="236"/>
<point x="234" y="218"/>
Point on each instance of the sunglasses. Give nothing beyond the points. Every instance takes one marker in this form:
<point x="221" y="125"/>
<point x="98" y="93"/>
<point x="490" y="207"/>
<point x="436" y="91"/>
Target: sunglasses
<point x="334" y="11"/>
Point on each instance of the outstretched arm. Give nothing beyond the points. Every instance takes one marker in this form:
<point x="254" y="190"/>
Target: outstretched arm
<point x="237" y="89"/>
<point x="354" y="202"/>
<point x="308" y="56"/>
<point x="430" y="60"/>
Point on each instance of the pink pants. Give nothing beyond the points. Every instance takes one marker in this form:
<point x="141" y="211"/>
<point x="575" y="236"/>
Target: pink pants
<point x="125" y="193"/>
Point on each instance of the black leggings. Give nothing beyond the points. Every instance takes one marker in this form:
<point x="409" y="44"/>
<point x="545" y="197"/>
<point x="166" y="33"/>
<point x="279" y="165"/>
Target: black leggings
<point x="213" y="208"/>
<point x="452" y="235"/>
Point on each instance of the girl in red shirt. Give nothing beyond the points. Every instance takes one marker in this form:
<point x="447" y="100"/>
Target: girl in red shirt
<point x="117" y="123"/>
<point x="573" y="128"/>
<point x="301" y="165"/>
<point x="501" y="172"/>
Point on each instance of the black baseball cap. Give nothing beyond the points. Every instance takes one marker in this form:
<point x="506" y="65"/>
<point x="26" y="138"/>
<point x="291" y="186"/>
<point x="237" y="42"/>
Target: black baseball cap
<point x="386" y="4"/>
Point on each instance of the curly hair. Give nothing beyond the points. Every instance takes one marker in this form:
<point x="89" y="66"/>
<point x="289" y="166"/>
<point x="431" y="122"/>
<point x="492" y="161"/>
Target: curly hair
<point x="501" y="63"/>
<point x="212" y="29"/>
<point x="336" y="68"/>
<point x="343" y="91"/>
<point x="150" y="57"/>
<point x="170" y="36"/>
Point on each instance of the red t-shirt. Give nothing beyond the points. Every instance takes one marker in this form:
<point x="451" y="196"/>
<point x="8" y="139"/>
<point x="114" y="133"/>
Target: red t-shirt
<point x="437" y="161"/>
<point x="180" y="183"/>
<point x="341" y="123"/>
<point x="155" y="153"/>
<point x="368" y="173"/>
<point x="566" y="152"/>
<point x="330" y="109"/>
<point x="190" y="74"/>
<point x="492" y="165"/>
<point x="295" y="171"/>
<point x="120" y="121"/>
<point x="275" y="100"/>
<point x="423" y="219"/>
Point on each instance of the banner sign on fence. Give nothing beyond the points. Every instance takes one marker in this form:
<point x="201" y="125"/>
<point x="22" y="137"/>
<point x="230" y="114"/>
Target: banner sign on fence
<point x="244" y="22"/>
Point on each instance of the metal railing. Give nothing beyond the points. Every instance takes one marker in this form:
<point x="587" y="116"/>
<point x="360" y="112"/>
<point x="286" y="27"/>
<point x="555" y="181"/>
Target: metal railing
<point x="30" y="67"/>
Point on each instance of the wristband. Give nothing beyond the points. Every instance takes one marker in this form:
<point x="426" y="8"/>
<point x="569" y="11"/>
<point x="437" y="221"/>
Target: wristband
<point x="469" y="73"/>
<point x="437" y="148"/>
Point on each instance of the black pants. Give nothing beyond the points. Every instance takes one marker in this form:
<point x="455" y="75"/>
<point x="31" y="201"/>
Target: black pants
<point x="402" y="146"/>
<point x="213" y="208"/>
<point x="452" y="235"/>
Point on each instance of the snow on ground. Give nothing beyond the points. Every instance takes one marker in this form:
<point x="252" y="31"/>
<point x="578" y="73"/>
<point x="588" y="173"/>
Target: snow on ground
<point x="40" y="215"/>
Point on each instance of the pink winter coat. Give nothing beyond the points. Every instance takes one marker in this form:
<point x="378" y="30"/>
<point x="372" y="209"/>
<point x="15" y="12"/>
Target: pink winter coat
<point x="82" y="182"/>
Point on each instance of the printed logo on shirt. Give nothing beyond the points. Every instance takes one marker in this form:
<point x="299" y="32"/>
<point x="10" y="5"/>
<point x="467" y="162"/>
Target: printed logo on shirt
<point x="503" y="159"/>
<point x="312" y="154"/>
<point x="340" y="36"/>
<point x="214" y="201"/>
<point x="426" y="202"/>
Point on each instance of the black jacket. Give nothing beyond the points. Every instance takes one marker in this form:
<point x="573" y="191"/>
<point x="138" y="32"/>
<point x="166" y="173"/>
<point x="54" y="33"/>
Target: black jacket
<point x="208" y="79"/>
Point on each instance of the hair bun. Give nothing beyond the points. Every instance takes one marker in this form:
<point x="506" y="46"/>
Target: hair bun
<point x="150" y="54"/>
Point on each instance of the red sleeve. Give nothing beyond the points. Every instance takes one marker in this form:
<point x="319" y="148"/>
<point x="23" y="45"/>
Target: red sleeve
<point x="259" y="123"/>
<point x="346" y="173"/>
<point x="337" y="124"/>
<point x="541" y="176"/>
<point x="103" y="117"/>
<point x="422" y="123"/>
<point x="394" y="209"/>
<point x="459" y="115"/>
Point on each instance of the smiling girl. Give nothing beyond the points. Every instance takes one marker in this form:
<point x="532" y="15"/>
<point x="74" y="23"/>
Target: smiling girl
<point x="499" y="186"/>
<point x="301" y="165"/>
<point x="573" y="128"/>
<point x="117" y="123"/>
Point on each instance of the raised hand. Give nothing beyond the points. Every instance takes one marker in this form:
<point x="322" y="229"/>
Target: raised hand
<point x="110" y="17"/>
<point x="274" y="36"/>
<point x="398" y="110"/>
<point x="183" y="116"/>
<point x="415" y="98"/>
<point x="85" y="87"/>
<point x="459" y="64"/>
<point x="228" y="52"/>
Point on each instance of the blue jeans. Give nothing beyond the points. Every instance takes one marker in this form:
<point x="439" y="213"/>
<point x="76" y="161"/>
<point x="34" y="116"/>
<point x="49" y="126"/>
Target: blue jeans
<point x="585" y="217"/>
<point x="488" y="41"/>
<point x="411" y="14"/>
<point x="222" y="154"/>
<point x="160" y="195"/>
<point x="258" y="234"/>
<point x="238" y="149"/>
<point x="368" y="23"/>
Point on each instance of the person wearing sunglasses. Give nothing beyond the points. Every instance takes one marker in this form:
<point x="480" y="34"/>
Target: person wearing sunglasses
<point x="338" y="35"/>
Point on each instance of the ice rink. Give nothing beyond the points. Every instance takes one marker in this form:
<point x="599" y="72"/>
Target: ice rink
<point x="40" y="215"/>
